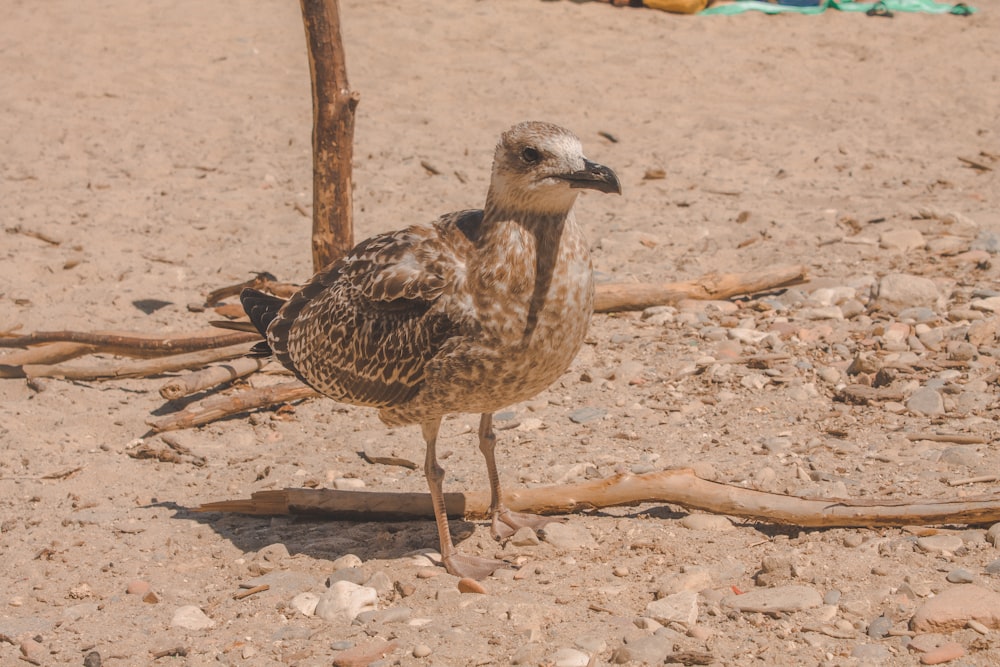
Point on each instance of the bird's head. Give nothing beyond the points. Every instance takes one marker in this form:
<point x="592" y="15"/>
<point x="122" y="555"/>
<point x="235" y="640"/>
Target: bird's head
<point x="541" y="167"/>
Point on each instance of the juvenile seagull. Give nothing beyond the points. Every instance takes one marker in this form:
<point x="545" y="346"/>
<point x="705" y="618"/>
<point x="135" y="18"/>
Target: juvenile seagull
<point x="483" y="309"/>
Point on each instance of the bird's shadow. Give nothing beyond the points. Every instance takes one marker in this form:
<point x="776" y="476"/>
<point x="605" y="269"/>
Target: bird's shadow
<point x="321" y="538"/>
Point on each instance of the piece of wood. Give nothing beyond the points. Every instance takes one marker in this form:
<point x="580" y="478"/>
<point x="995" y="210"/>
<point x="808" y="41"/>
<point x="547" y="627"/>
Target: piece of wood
<point x="12" y="365"/>
<point x="957" y="438"/>
<point x="141" y="368"/>
<point x="218" y="407"/>
<point x="212" y="376"/>
<point x="639" y="296"/>
<point x="142" y="346"/>
<point x="333" y="133"/>
<point x="676" y="487"/>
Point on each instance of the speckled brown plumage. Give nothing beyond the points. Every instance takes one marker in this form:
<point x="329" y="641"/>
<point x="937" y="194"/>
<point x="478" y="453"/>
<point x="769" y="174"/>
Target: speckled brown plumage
<point x="480" y="310"/>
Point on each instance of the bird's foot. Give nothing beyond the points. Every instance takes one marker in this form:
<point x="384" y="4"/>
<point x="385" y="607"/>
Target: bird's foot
<point x="506" y="523"/>
<point x="473" y="567"/>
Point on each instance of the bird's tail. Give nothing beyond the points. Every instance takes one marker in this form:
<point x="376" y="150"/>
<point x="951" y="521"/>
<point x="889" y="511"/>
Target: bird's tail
<point x="262" y="309"/>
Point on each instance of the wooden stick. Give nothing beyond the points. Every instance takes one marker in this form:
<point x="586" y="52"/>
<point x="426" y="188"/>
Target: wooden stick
<point x="957" y="438"/>
<point x="638" y="296"/>
<point x="212" y="376"/>
<point x="676" y="487"/>
<point x="144" y="368"/>
<point x="333" y="133"/>
<point x="134" y="345"/>
<point x="217" y="407"/>
<point x="11" y="365"/>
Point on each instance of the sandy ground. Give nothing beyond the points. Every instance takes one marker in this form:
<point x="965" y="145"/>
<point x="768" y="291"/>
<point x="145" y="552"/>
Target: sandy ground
<point x="165" y="148"/>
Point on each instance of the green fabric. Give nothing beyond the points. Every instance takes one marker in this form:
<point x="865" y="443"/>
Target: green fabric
<point x="927" y="6"/>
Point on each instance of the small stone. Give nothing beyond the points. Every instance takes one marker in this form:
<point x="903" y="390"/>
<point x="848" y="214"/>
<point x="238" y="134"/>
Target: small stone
<point x="567" y="537"/>
<point x="832" y="597"/>
<point x="365" y="654"/>
<point x="348" y="483"/>
<point x="902" y="240"/>
<point x="978" y="627"/>
<point x="677" y="608"/>
<point x="780" y="598"/>
<point x="651" y="650"/>
<point x="870" y="653"/>
<point x="345" y="600"/>
<point x="305" y="603"/>
<point x="524" y="536"/>
<point x="355" y="575"/>
<point x="708" y="522"/>
<point x="620" y="571"/>
<point x="853" y="540"/>
<point x="405" y="589"/>
<point x="92" y="659"/>
<point x="960" y="576"/>
<point x="898" y="291"/>
<point x="467" y="585"/>
<point x="942" y="654"/>
<point x="993" y="535"/>
<point x="700" y="632"/>
<point x="926" y="402"/>
<point x="428" y="572"/>
<point x="586" y="414"/>
<point x="879" y="628"/>
<point x="150" y="598"/>
<point x="137" y="587"/>
<point x="954" y="607"/>
<point x="939" y="543"/>
<point x="380" y="581"/>
<point x="345" y="561"/>
<point x="570" y="657"/>
<point x="191" y="617"/>
<point x="421" y="651"/>
<point x="993" y="568"/>
<point x="33" y="652"/>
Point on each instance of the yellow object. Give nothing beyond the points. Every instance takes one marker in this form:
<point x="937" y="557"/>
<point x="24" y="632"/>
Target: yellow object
<point x="677" y="6"/>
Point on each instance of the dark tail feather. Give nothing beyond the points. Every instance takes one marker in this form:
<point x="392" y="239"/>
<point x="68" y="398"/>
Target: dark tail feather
<point x="262" y="309"/>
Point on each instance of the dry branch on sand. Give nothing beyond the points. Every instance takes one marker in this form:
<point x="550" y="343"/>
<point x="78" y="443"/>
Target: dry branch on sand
<point x="677" y="487"/>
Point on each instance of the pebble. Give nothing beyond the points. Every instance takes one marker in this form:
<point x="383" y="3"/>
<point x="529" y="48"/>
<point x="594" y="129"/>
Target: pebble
<point x="586" y="414"/>
<point x="942" y="654"/>
<point x="345" y="600"/>
<point x="898" y="291"/>
<point x="832" y="597"/>
<point x="870" y="653"/>
<point x="467" y="585"/>
<point x="780" y="598"/>
<point x="939" y="543"/>
<point x="421" y="651"/>
<point x="902" y="240"/>
<point x="993" y="535"/>
<point x="137" y="587"/>
<point x="677" y="608"/>
<point x="567" y="536"/>
<point x="191" y="617"/>
<point x="960" y="576"/>
<point x="348" y="483"/>
<point x="926" y="402"/>
<point x="993" y="568"/>
<point x="305" y="603"/>
<point x="380" y="581"/>
<point x="355" y="575"/>
<point x="953" y="608"/>
<point x="879" y="627"/>
<point x="33" y="652"/>
<point x="853" y="540"/>
<point x="570" y="657"/>
<point x="524" y="536"/>
<point x="345" y="561"/>
<point x="649" y="650"/>
<point x="709" y="522"/>
<point x="92" y="659"/>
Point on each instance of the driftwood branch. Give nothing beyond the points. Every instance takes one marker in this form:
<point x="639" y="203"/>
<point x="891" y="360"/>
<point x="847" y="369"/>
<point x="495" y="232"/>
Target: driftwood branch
<point x="143" y="368"/>
<point x="131" y="345"/>
<point x="218" y="407"/>
<point x="12" y="365"/>
<point x="212" y="376"/>
<point x="677" y="487"/>
<point x="638" y="296"/>
<point x="333" y="133"/>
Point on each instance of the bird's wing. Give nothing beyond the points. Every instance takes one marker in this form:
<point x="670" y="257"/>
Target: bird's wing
<point x="363" y="330"/>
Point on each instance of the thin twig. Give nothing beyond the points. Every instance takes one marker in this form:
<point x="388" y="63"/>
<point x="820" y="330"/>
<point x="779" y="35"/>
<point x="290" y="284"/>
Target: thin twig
<point x="135" y="345"/>
<point x="141" y="368"/>
<point x="218" y="407"/>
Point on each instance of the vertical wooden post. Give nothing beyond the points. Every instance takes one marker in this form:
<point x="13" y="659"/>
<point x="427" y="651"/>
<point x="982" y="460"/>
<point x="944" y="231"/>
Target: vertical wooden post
<point x="333" y="133"/>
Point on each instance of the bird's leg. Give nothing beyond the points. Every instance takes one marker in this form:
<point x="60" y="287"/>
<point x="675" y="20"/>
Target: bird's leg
<point x="504" y="522"/>
<point x="456" y="563"/>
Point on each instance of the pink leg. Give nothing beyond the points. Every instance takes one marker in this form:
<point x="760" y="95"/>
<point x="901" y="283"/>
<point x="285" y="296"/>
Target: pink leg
<point x="456" y="563"/>
<point x="504" y="522"/>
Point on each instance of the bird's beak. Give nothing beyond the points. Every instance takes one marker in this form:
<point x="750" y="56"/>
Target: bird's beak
<point x="594" y="177"/>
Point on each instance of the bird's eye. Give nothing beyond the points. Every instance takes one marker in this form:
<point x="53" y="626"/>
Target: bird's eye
<point x="531" y="155"/>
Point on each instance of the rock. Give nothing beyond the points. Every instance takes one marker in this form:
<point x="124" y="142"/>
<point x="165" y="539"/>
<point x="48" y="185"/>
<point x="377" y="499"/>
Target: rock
<point x="993" y="535"/>
<point x="285" y="582"/>
<point x="344" y="601"/>
<point x="879" y="627"/>
<point x="92" y="659"/>
<point x="305" y="603"/>
<point x="191" y="617"/>
<point x="267" y="559"/>
<point x="650" y="650"/>
<point x="525" y="536"/>
<point x="364" y="655"/>
<point x="954" y="607"/>
<point x="780" y="598"/>
<point x="987" y="240"/>
<point x="355" y="575"/>
<point x="348" y="483"/>
<point x="380" y="581"/>
<point x="960" y="576"/>
<point x="902" y="240"/>
<point x="926" y="402"/>
<point x="345" y="561"/>
<point x="677" y="608"/>
<point x="948" y="246"/>
<point x="939" y="543"/>
<point x="832" y="597"/>
<point x="898" y="291"/>
<point x="567" y="536"/>
<point x="942" y="654"/>
<point x="709" y="522"/>
<point x="137" y="587"/>
<point x="993" y="568"/>
<point x="33" y="652"/>
<point x="570" y="657"/>
<point x="586" y="414"/>
<point x="870" y="653"/>
<point x="421" y="651"/>
<point x="467" y="585"/>
<point x="385" y="616"/>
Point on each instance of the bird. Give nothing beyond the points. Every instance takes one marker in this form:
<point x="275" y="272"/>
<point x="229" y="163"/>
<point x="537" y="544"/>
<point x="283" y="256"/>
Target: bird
<point x="481" y="309"/>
